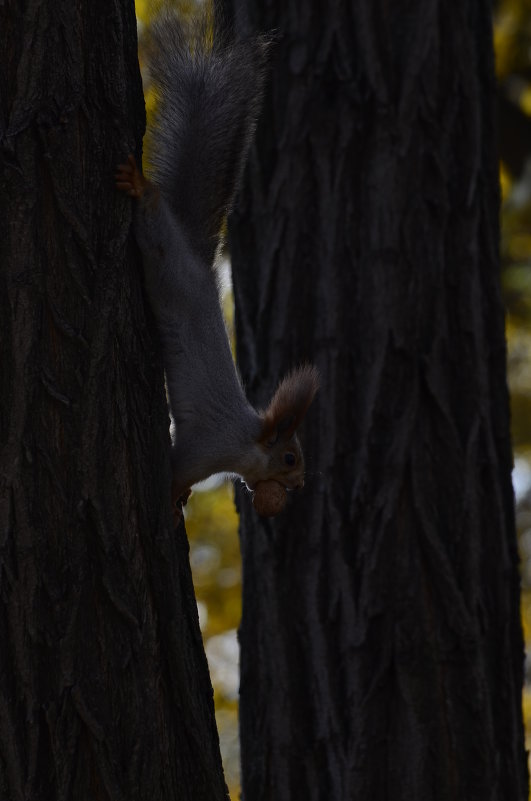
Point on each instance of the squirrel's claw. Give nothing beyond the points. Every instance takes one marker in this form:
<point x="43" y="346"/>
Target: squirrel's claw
<point x="178" y="500"/>
<point x="129" y="179"/>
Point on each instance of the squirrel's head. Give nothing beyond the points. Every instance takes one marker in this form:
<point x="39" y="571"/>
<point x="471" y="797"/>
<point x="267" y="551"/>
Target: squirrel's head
<point x="278" y="440"/>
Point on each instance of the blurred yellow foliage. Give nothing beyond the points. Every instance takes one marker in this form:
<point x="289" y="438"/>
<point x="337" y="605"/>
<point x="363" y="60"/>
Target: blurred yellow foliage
<point x="505" y="182"/>
<point x="212" y="528"/>
<point x="525" y="100"/>
<point x="146" y="10"/>
<point x="512" y="37"/>
<point x="512" y="31"/>
<point x="526" y="621"/>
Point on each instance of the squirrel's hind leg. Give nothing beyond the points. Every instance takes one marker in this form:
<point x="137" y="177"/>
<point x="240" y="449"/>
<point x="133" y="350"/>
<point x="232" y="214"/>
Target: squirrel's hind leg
<point x="129" y="179"/>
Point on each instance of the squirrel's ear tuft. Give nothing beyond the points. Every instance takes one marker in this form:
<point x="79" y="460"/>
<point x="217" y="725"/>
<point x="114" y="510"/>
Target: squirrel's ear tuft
<point x="289" y="404"/>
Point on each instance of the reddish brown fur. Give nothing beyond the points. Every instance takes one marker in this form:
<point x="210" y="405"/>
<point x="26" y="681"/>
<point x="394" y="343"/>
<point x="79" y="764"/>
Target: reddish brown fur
<point x="290" y="403"/>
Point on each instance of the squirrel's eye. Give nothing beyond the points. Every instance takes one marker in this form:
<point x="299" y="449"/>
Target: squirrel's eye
<point x="289" y="458"/>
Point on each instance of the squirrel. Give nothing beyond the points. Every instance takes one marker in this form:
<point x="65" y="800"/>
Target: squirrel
<point x="209" y="101"/>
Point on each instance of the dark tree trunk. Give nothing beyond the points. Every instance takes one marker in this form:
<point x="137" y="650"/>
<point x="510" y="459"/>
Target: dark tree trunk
<point x="381" y="648"/>
<point x="104" y="687"/>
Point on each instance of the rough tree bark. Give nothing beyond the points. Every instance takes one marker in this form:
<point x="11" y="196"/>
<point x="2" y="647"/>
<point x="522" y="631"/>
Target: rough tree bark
<point x="104" y="687"/>
<point x="381" y="647"/>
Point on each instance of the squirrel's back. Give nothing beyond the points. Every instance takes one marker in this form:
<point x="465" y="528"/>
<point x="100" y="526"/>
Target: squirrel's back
<point x="209" y="93"/>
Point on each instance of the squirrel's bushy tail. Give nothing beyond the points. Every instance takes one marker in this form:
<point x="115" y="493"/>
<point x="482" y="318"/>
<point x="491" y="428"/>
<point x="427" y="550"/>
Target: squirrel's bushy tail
<point x="209" y="95"/>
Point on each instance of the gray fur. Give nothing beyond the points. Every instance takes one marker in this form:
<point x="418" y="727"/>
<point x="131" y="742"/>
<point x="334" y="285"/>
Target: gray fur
<point x="209" y="101"/>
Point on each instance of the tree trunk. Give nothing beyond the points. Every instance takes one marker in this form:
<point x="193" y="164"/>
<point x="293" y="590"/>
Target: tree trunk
<point x="381" y="647"/>
<point x="104" y="687"/>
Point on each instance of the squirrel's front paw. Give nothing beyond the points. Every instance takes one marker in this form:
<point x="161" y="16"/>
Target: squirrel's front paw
<point x="129" y="179"/>
<point x="178" y="500"/>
